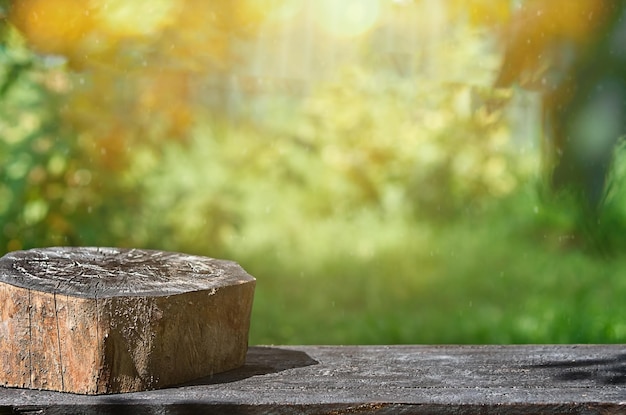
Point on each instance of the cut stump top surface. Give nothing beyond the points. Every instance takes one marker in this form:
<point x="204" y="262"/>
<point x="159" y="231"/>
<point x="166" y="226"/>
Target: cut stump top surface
<point x="91" y="272"/>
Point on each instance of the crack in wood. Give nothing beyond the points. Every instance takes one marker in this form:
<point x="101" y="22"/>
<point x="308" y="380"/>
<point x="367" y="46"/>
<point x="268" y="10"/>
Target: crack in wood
<point x="56" y="317"/>
<point x="30" y="340"/>
<point x="99" y="372"/>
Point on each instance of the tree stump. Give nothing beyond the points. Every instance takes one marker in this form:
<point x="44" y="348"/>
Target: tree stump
<point x="109" y="320"/>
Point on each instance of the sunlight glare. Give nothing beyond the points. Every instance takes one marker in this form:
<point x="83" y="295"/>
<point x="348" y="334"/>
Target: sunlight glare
<point x="347" y="18"/>
<point x="285" y="11"/>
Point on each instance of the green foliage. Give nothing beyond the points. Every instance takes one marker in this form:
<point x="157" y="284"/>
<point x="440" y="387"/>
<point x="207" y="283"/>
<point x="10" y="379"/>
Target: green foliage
<point x="318" y="209"/>
<point x="379" y="208"/>
<point x="50" y="193"/>
<point x="355" y="148"/>
<point x="571" y="223"/>
<point x="392" y="141"/>
<point x="28" y="151"/>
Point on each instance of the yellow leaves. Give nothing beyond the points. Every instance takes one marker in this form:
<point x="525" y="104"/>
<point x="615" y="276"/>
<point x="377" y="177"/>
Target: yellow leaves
<point x="483" y="12"/>
<point x="200" y="38"/>
<point x="443" y="144"/>
<point x="248" y="14"/>
<point x="489" y="12"/>
<point x="540" y="28"/>
<point x="120" y="18"/>
<point x="574" y="20"/>
<point x="166" y="95"/>
<point x="80" y="29"/>
<point x="101" y="32"/>
<point x="138" y="61"/>
<point x="539" y="18"/>
<point x="52" y="26"/>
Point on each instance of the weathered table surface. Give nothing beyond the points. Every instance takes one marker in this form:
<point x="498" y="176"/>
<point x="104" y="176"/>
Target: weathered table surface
<point x="572" y="379"/>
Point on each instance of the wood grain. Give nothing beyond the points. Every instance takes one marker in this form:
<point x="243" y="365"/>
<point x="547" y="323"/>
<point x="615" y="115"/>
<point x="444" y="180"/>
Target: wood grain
<point x="109" y="320"/>
<point x="433" y="380"/>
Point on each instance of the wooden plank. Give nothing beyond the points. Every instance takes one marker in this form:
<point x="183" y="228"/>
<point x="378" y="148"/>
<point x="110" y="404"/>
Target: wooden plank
<point x="108" y="320"/>
<point x="572" y="379"/>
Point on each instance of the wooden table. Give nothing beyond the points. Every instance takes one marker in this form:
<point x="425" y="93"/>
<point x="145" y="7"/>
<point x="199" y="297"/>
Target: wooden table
<point x="550" y="379"/>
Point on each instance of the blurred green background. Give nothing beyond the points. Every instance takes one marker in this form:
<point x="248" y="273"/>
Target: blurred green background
<point x="352" y="156"/>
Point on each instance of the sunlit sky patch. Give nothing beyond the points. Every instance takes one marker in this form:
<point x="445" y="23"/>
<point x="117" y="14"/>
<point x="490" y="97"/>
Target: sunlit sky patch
<point x="347" y="18"/>
<point x="285" y="11"/>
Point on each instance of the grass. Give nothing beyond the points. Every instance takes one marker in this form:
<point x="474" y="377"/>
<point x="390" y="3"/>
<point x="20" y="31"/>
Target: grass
<point x="482" y="279"/>
<point x="333" y="270"/>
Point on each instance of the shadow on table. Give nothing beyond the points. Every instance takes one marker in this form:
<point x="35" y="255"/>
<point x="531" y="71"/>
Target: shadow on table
<point x="607" y="371"/>
<point x="260" y="361"/>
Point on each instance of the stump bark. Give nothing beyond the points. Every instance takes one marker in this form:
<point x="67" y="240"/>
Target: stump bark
<point x="109" y="320"/>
